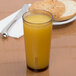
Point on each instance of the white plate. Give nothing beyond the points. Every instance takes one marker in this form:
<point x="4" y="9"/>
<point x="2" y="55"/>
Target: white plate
<point x="64" y="22"/>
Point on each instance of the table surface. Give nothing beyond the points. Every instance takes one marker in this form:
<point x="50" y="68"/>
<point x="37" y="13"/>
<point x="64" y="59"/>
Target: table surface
<point x="63" y="50"/>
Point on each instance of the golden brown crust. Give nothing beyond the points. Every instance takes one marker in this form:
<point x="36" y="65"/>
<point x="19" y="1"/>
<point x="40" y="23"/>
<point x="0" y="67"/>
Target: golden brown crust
<point x="53" y="2"/>
<point x="56" y="8"/>
<point x="43" y="5"/>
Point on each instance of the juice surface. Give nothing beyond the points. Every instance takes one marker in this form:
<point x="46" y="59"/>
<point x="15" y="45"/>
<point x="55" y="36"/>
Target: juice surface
<point x="37" y="40"/>
<point x="37" y="18"/>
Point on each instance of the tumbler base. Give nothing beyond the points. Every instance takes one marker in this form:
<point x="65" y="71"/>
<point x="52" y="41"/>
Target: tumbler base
<point x="37" y="70"/>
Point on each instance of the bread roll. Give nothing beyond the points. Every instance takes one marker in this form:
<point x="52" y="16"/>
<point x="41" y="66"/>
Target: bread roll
<point x="70" y="10"/>
<point x="55" y="7"/>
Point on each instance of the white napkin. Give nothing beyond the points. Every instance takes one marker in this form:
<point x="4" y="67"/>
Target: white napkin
<point x="16" y="30"/>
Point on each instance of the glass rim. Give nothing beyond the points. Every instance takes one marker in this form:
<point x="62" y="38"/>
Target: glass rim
<point x="38" y="23"/>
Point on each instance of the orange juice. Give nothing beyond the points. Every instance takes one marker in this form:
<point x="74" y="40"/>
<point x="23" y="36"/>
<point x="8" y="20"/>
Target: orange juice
<point x="37" y="35"/>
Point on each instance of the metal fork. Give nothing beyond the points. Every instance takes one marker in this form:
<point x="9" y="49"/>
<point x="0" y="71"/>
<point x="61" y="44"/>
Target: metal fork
<point x="21" y="12"/>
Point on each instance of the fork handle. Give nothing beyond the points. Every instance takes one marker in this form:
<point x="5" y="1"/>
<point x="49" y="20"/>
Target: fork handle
<point x="5" y="30"/>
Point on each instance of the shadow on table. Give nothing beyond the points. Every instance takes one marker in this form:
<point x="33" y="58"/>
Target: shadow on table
<point x="62" y="26"/>
<point x="64" y="30"/>
<point x="31" y="73"/>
